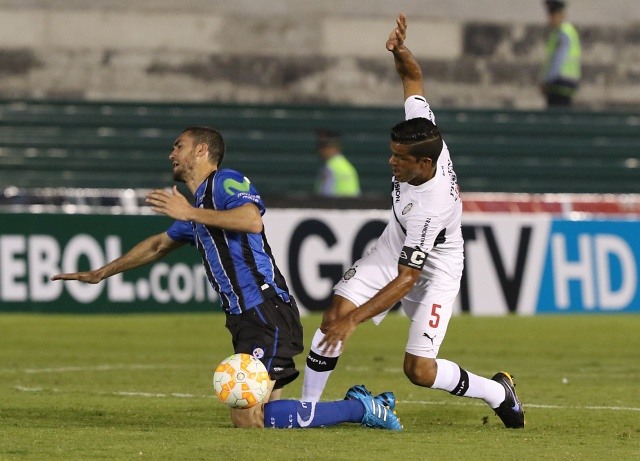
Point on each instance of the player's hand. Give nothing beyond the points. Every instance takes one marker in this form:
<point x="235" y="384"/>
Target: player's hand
<point x="170" y="203"/>
<point x="336" y="333"/>
<point x="87" y="277"/>
<point x="398" y="35"/>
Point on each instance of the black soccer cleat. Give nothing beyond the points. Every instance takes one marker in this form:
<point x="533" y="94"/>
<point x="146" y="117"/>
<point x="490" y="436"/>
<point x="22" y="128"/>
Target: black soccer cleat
<point x="510" y="411"/>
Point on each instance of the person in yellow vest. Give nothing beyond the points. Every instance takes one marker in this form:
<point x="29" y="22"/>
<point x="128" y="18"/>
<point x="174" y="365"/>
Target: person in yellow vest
<point x="338" y="177"/>
<point x="561" y="70"/>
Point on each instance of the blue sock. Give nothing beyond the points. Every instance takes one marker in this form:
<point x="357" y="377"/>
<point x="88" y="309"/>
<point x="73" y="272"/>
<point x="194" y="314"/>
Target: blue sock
<point x="295" y="414"/>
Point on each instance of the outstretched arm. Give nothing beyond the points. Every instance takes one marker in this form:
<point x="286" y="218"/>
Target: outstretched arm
<point x="406" y="64"/>
<point x="150" y="249"/>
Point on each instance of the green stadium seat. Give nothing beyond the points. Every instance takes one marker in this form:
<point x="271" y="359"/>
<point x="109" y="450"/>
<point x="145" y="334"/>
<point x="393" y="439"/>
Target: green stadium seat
<point x="126" y="145"/>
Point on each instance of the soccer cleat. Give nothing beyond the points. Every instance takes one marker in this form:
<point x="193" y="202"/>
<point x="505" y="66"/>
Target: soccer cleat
<point x="376" y="414"/>
<point x="388" y="399"/>
<point x="510" y="411"/>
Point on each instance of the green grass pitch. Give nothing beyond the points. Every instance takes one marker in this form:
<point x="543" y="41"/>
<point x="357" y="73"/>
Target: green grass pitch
<point x="139" y="387"/>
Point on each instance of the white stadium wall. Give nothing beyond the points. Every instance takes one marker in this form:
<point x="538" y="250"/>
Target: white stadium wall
<point x="514" y="263"/>
<point x="521" y="263"/>
<point x="485" y="53"/>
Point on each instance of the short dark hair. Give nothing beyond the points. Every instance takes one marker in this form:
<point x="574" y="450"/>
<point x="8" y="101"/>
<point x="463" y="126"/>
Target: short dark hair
<point x="210" y="137"/>
<point x="554" y="6"/>
<point x="326" y="138"/>
<point x="422" y="135"/>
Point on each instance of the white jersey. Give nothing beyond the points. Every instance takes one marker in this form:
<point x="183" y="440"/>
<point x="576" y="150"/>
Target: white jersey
<point x="425" y="220"/>
<point x="427" y="217"/>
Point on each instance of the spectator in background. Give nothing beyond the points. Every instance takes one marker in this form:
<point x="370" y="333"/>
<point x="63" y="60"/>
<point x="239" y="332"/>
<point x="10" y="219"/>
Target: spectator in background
<point x="338" y="177"/>
<point x="561" y="70"/>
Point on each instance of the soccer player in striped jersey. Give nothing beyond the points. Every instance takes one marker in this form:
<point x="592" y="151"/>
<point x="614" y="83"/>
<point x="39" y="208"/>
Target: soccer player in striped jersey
<point x="225" y="226"/>
<point x="417" y="260"/>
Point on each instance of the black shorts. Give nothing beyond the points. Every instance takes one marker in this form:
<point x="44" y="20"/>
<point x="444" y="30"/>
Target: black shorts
<point x="271" y="332"/>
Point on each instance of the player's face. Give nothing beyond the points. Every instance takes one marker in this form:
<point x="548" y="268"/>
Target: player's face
<point x="183" y="157"/>
<point x="406" y="167"/>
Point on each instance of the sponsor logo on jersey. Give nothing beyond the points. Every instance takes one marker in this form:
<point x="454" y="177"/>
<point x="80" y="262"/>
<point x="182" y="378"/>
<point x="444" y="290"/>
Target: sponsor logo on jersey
<point x="454" y="189"/>
<point x="350" y="273"/>
<point x="231" y="186"/>
<point x="425" y="228"/>
<point x="253" y="197"/>
<point x="258" y="353"/>
<point x="407" y="209"/>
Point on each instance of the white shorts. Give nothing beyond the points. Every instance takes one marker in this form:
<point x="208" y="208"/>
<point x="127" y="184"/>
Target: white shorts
<point x="429" y="305"/>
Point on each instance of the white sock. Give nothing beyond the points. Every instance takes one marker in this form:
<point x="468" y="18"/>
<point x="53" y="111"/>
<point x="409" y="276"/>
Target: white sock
<point x="457" y="381"/>
<point x="317" y="375"/>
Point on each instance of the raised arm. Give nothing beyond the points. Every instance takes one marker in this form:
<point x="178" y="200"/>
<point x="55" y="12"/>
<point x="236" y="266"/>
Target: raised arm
<point x="406" y="64"/>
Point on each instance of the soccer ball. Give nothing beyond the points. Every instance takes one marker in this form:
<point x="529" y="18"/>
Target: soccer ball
<point x="241" y="381"/>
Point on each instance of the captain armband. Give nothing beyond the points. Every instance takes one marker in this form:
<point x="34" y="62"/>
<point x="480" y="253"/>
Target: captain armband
<point x="412" y="257"/>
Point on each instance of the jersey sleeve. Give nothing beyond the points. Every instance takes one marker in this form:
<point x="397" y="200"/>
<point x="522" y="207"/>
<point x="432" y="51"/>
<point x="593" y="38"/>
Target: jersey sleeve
<point x="233" y="190"/>
<point x="181" y="231"/>
<point x="422" y="232"/>
<point x="418" y="107"/>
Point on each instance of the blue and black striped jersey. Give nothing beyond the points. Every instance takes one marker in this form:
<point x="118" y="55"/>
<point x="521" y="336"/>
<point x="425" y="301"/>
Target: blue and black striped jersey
<point x="240" y="266"/>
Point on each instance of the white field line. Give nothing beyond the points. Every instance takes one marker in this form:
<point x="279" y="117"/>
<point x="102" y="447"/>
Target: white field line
<point x="580" y="373"/>
<point x="463" y="402"/>
<point x="527" y="405"/>
<point x="107" y="367"/>
<point x="150" y="394"/>
<point x="88" y="368"/>
<point x="31" y="389"/>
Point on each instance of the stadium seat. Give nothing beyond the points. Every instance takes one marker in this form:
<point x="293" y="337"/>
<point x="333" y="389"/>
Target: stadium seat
<point x="126" y="144"/>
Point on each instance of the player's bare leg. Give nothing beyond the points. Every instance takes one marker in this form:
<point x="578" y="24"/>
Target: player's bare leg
<point x="421" y="371"/>
<point x="275" y="395"/>
<point x="254" y="417"/>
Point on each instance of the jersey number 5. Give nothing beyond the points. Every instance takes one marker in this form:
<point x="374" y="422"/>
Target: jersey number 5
<point x="435" y="316"/>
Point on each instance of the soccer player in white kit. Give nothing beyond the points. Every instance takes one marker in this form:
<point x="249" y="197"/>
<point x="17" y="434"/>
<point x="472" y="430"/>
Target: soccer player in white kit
<point x="417" y="260"/>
